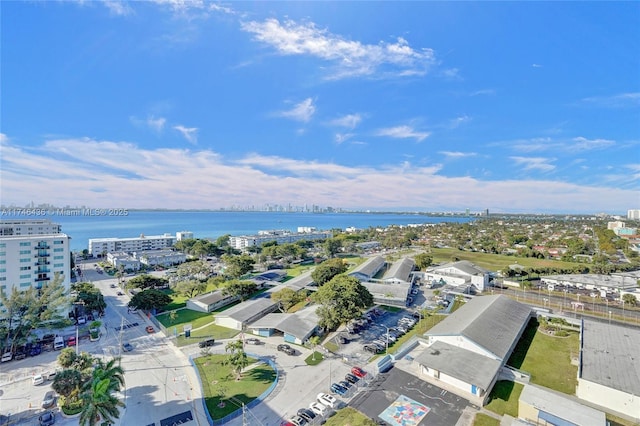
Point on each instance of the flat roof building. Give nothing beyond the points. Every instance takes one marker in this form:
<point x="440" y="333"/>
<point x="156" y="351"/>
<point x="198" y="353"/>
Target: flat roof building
<point x="540" y="406"/>
<point x="100" y="246"/>
<point x="609" y="367"/>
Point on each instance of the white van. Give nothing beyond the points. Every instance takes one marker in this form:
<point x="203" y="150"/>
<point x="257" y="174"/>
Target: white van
<point x="58" y="343"/>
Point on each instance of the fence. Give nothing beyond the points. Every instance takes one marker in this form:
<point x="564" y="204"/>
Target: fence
<point x="248" y="406"/>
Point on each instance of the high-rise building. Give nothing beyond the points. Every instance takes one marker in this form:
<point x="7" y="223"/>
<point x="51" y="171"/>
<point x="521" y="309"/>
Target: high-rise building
<point x="32" y="252"/>
<point x="633" y="214"/>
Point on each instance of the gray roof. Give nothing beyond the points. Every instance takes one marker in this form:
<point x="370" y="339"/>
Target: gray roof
<point x="247" y="310"/>
<point x="400" y="269"/>
<point x="492" y="322"/>
<point x="393" y="291"/>
<point x="464" y="266"/>
<point x="299" y="324"/>
<point x="369" y="267"/>
<point x="562" y="407"/>
<point x="614" y="281"/>
<point x="465" y="365"/>
<point x="300" y="281"/>
<point x="611" y="356"/>
<point x="211" y="298"/>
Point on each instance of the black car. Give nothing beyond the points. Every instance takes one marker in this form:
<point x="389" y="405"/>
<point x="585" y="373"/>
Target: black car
<point x="343" y="340"/>
<point x="351" y="378"/>
<point x="207" y="343"/>
<point x="286" y="349"/>
<point x="306" y="414"/>
<point x="36" y="349"/>
<point x="47" y="418"/>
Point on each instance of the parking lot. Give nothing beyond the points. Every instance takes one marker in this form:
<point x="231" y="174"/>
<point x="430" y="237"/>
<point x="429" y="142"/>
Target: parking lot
<point x="442" y="407"/>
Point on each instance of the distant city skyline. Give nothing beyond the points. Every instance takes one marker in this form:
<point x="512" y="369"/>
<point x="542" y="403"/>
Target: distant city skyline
<point x="514" y="107"/>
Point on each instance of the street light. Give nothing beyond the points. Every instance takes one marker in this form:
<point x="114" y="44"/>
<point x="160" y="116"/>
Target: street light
<point x="386" y="349"/>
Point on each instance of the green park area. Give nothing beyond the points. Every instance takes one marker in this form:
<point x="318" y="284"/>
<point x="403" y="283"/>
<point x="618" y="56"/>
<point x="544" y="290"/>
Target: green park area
<point x="222" y="392"/>
<point x="349" y="416"/>
<point x="547" y="358"/>
<point x="496" y="262"/>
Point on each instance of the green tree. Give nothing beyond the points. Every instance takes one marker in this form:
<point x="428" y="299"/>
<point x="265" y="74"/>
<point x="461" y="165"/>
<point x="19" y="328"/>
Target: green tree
<point x="190" y="288"/>
<point x="238" y="358"/>
<point x="149" y="299"/>
<point x="314" y="341"/>
<point x="89" y="295"/>
<point x="199" y="269"/>
<point x="341" y="299"/>
<point x="147" y="281"/>
<point x="237" y="266"/>
<point x="241" y="289"/>
<point x="67" y="382"/>
<point x="327" y="270"/>
<point x="332" y="246"/>
<point x="98" y="401"/>
<point x="287" y="298"/>
<point x="629" y="300"/>
<point x="423" y="260"/>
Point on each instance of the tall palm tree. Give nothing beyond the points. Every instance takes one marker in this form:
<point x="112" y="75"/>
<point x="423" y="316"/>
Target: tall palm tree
<point x="97" y="394"/>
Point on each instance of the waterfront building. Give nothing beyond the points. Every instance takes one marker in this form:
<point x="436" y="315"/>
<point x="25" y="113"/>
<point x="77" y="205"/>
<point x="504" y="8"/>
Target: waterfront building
<point x="633" y="214"/>
<point x="101" y="246"/>
<point x="243" y="242"/>
<point x="32" y="253"/>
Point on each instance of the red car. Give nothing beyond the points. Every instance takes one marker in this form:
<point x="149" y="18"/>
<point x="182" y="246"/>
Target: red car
<point x="359" y="372"/>
<point x="71" y="341"/>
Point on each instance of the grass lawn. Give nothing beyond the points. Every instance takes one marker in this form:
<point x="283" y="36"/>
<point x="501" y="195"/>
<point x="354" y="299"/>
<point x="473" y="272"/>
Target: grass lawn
<point x="547" y="358"/>
<point x="349" y="417"/>
<point x="219" y="384"/>
<point x="318" y="358"/>
<point x="504" y="398"/>
<point x="484" y="420"/>
<point x="210" y="331"/>
<point x="185" y="316"/>
<point x="495" y="262"/>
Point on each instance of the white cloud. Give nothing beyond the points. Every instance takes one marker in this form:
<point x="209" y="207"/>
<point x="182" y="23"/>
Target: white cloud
<point x="343" y="137"/>
<point x="621" y="100"/>
<point x="536" y="65"/>
<point x="300" y="112"/>
<point x="126" y="175"/>
<point x="189" y="133"/>
<point x="403" y="132"/>
<point x="584" y="144"/>
<point x="350" y="121"/>
<point x="458" y="121"/>
<point x="535" y="163"/>
<point x="349" y="58"/>
<point x="4" y="139"/>
<point x="156" y="124"/>
<point x="118" y="7"/>
<point x="483" y="92"/>
<point x="457" y="154"/>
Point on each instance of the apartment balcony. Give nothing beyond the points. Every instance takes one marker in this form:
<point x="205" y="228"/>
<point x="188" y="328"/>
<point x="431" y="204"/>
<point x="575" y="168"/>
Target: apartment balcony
<point x="42" y="247"/>
<point x="39" y="279"/>
<point x="42" y="262"/>
<point x="43" y="271"/>
<point x="42" y="255"/>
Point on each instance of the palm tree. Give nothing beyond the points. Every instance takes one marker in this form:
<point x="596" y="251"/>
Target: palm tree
<point x="97" y="394"/>
<point x="238" y="358"/>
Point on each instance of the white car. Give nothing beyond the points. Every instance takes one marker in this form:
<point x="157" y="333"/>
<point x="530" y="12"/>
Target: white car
<point x="328" y="400"/>
<point x="38" y="379"/>
<point x="7" y="356"/>
<point x="318" y="408"/>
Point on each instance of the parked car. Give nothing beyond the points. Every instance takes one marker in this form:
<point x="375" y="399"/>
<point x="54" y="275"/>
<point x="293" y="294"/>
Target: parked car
<point x="318" y="408"/>
<point x="127" y="347"/>
<point x="307" y="414"/>
<point x="82" y="320"/>
<point x="58" y="343"/>
<point x="373" y="348"/>
<point x="49" y="399"/>
<point x="38" y="379"/>
<point x="119" y="293"/>
<point x="327" y="400"/>
<point x="112" y="286"/>
<point x="252" y="341"/>
<point x="286" y="349"/>
<point x="47" y="418"/>
<point x="7" y="356"/>
<point x="71" y="341"/>
<point x="359" y="372"/>
<point x="337" y="389"/>
<point x="206" y="343"/>
<point x="343" y="340"/>
<point x="298" y="421"/>
<point x="345" y="384"/>
<point x="150" y="329"/>
<point x="351" y="378"/>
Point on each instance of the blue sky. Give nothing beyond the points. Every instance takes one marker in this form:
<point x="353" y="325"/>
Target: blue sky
<point x="430" y="106"/>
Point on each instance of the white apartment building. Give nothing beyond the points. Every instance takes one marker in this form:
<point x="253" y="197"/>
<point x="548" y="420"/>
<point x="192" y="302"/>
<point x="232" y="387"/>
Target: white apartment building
<point x="32" y="252"/>
<point x="242" y="242"/>
<point x="98" y="246"/>
<point x="633" y="214"/>
<point x="184" y="235"/>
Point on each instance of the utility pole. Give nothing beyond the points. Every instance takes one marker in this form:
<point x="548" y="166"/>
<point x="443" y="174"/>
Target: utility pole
<point x="120" y="337"/>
